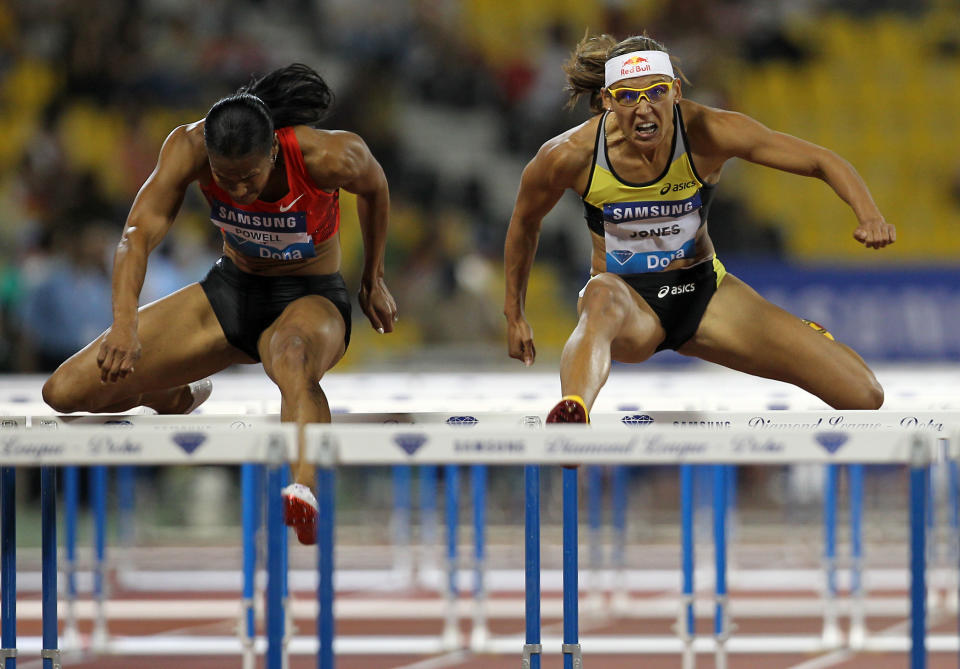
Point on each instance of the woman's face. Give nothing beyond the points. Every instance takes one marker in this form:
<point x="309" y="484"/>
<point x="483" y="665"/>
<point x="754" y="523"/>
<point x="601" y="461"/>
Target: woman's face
<point x="244" y="177"/>
<point x="644" y="108"/>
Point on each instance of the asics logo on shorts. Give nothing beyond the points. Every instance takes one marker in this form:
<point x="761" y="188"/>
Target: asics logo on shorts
<point x="676" y="290"/>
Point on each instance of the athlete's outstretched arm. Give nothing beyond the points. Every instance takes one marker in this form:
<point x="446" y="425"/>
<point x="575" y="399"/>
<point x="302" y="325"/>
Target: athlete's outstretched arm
<point x="538" y="194"/>
<point x="350" y="165"/>
<point x="153" y="212"/>
<point x="746" y="138"/>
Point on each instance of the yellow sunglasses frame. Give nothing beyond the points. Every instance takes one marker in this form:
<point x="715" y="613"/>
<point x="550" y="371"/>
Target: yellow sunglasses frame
<point x="641" y="91"/>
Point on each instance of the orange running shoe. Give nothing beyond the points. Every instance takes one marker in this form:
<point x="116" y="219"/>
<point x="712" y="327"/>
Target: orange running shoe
<point x="300" y="511"/>
<point x="571" y="409"/>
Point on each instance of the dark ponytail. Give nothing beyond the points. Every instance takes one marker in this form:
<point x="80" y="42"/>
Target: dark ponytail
<point x="295" y="95"/>
<point x="243" y="123"/>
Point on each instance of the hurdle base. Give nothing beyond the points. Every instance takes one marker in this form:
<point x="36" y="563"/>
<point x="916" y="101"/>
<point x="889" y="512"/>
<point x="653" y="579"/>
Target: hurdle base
<point x="529" y="649"/>
<point x="52" y="654"/>
<point x="574" y="650"/>
<point x="174" y="645"/>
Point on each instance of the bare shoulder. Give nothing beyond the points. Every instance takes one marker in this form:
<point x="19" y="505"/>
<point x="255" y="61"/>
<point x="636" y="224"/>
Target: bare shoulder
<point x="332" y="157"/>
<point x="184" y="151"/>
<point x="714" y="130"/>
<point x="565" y="159"/>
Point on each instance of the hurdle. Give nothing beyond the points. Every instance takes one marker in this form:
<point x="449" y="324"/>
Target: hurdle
<point x="401" y="459"/>
<point x="558" y="447"/>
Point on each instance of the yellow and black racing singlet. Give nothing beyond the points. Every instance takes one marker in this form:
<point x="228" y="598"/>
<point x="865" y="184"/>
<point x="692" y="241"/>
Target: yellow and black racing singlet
<point x="646" y="226"/>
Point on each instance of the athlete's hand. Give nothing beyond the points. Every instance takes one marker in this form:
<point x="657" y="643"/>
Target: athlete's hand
<point x="520" y="341"/>
<point x="378" y="304"/>
<point x="875" y="233"/>
<point x="119" y="351"/>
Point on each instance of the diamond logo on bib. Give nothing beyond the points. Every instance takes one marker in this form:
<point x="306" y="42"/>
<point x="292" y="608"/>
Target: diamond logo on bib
<point x="621" y="255"/>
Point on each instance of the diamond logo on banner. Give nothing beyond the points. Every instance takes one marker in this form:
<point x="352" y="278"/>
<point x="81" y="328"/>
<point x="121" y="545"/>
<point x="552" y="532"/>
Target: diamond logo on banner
<point x="189" y="441"/>
<point x="464" y="421"/>
<point x="410" y="443"/>
<point x="832" y="441"/>
<point x="637" y="419"/>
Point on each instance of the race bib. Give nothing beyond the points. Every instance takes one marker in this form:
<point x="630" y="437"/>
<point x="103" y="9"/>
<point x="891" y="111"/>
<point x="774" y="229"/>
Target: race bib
<point x="281" y="236"/>
<point x="647" y="236"/>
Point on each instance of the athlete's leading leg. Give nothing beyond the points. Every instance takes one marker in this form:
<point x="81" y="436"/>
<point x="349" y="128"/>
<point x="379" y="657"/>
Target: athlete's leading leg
<point x="305" y="341"/>
<point x="743" y="331"/>
<point x="615" y="323"/>
<point x="181" y="341"/>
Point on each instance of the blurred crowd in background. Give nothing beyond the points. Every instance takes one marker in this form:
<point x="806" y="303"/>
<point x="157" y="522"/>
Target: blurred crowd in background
<point x="453" y="97"/>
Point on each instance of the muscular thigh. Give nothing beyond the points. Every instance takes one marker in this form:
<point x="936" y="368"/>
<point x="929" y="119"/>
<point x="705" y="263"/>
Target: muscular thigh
<point x="743" y="331"/>
<point x="316" y="322"/>
<point x="180" y="339"/>
<point x="608" y="299"/>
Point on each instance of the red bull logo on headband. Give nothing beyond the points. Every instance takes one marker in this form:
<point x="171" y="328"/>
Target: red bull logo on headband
<point x="637" y="64"/>
<point x="634" y="66"/>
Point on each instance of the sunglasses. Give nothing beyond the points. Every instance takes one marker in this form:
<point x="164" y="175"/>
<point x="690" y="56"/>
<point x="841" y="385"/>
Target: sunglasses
<point x="630" y="97"/>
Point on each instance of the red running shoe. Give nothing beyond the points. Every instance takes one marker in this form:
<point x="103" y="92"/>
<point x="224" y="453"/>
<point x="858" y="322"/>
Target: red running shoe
<point x="300" y="511"/>
<point x="571" y="409"/>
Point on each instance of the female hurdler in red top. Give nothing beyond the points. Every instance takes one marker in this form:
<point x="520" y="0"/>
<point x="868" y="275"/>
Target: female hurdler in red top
<point x="275" y="296"/>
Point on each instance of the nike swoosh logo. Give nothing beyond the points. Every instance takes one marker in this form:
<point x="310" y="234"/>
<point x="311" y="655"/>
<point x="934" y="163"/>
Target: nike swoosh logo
<point x="287" y="208"/>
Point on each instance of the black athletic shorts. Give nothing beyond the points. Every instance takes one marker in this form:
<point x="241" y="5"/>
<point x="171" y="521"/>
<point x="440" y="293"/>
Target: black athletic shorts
<point x="679" y="297"/>
<point x="247" y="304"/>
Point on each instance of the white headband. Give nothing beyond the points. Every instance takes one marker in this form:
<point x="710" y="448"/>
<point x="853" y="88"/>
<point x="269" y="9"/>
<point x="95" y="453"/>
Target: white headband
<point x="637" y="64"/>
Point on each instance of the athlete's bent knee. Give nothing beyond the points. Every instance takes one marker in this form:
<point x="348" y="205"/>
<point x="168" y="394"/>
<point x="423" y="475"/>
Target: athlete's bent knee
<point x="288" y="352"/>
<point x="58" y="396"/>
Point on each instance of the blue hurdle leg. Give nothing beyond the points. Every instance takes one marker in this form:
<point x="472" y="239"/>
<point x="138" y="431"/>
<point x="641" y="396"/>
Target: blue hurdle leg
<point x="531" y="491"/>
<point x="250" y="520"/>
<point x="8" y="567"/>
<point x="478" y="484"/>
<point x="428" y="520"/>
<point x="571" y="586"/>
<point x="98" y="498"/>
<point x="918" y="589"/>
<point x="721" y="625"/>
<point x="48" y="529"/>
<point x="831" y="629"/>
<point x="326" y="499"/>
<point x="451" y="631"/>
<point x="276" y="537"/>
<point x="858" y="629"/>
<point x="403" y="548"/>
<point x="620" y="601"/>
<point x="687" y="625"/>
<point x="71" y="495"/>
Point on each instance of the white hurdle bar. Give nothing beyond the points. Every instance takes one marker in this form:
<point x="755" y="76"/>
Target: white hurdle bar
<point x="329" y="446"/>
<point x="107" y="445"/>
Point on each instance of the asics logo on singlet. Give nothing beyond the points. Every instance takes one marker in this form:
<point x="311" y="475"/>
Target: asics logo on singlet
<point x="676" y="188"/>
<point x="676" y="290"/>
